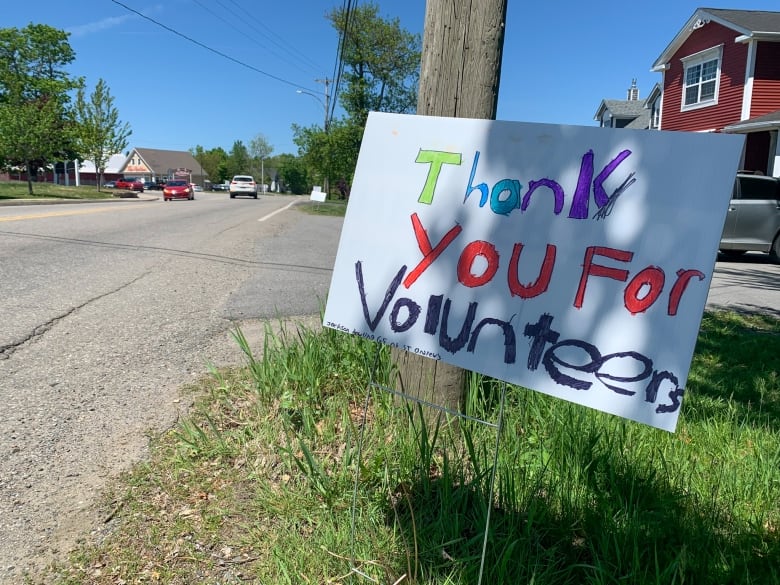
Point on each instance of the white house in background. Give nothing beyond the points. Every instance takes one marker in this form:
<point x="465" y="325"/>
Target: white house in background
<point x="113" y="165"/>
<point x="87" y="174"/>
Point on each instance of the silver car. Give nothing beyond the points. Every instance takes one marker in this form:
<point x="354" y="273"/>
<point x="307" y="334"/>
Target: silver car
<point x="753" y="218"/>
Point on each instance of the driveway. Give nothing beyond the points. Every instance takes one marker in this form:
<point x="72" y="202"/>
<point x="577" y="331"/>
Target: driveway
<point x="750" y="284"/>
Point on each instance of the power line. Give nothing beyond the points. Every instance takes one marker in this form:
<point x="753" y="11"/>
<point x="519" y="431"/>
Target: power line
<point x="215" y="51"/>
<point x="234" y="26"/>
<point x="347" y="9"/>
<point x="290" y="49"/>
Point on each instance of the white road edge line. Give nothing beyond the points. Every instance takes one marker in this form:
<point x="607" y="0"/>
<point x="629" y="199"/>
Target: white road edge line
<point x="290" y="204"/>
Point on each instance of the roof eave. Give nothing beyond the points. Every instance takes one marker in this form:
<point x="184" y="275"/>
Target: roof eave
<point x="699" y="15"/>
<point x="127" y="160"/>
<point x="754" y="127"/>
<point x="758" y="36"/>
<point x="600" y="111"/>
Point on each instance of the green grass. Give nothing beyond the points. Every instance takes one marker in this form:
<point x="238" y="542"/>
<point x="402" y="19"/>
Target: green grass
<point x="257" y="485"/>
<point x="330" y="207"/>
<point x="18" y="190"/>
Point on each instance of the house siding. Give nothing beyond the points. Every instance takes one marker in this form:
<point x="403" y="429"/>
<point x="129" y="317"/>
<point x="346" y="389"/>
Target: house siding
<point x="730" y="90"/>
<point x="766" y="82"/>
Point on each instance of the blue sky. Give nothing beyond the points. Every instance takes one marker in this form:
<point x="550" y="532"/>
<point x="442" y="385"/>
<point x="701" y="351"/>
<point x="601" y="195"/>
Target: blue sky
<point x="561" y="58"/>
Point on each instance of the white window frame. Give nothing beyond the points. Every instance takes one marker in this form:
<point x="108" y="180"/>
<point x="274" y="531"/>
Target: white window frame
<point x="698" y="59"/>
<point x="655" y="115"/>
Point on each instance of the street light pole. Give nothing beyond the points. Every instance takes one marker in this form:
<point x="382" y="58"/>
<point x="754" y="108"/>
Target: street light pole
<point x="326" y="121"/>
<point x="324" y="104"/>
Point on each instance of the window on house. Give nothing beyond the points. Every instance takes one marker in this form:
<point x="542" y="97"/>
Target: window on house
<point x="701" y="78"/>
<point x="655" y="116"/>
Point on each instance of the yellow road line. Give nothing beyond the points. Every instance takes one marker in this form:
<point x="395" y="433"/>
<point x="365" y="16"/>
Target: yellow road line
<point x="69" y="212"/>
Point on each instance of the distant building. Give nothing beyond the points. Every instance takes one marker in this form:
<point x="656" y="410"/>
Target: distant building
<point x="88" y="174"/>
<point x="631" y="112"/>
<point x="151" y="164"/>
<point x="64" y="172"/>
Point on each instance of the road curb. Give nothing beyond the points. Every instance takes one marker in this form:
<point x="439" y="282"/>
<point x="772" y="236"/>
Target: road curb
<point x="55" y="201"/>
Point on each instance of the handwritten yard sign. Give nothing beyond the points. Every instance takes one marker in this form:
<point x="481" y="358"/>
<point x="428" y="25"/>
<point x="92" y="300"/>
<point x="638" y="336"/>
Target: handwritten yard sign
<point x="571" y="260"/>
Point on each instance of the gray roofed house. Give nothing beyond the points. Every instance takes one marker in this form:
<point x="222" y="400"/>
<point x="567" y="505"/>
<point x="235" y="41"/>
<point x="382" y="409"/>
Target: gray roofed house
<point x="630" y="112"/>
<point x="757" y="23"/>
<point x="152" y="164"/>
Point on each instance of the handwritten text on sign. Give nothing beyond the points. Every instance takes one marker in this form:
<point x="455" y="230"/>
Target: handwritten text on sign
<point x="574" y="261"/>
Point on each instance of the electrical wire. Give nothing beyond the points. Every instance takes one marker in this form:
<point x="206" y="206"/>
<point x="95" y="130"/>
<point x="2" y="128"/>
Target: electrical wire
<point x="346" y="10"/>
<point x="290" y="49"/>
<point x="233" y="26"/>
<point x="210" y="49"/>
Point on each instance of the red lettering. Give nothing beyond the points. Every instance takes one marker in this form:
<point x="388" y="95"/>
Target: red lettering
<point x="589" y="268"/>
<point x="683" y="277"/>
<point x="474" y="249"/>
<point x="651" y="277"/>
<point x="429" y="253"/>
<point x="542" y="281"/>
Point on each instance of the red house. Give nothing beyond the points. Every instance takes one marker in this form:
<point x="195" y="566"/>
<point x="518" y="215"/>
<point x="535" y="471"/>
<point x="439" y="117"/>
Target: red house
<point x="721" y="73"/>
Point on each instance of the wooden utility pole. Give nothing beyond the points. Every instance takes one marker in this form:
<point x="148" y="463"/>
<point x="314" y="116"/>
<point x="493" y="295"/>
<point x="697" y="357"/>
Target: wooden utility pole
<point x="461" y="58"/>
<point x="459" y="77"/>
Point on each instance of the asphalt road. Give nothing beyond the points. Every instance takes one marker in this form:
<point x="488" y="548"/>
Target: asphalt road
<point x="107" y="309"/>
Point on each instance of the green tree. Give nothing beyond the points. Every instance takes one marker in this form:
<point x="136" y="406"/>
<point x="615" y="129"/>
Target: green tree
<point x="239" y="162"/>
<point x="29" y="134"/>
<point x="223" y="171"/>
<point x="99" y="133"/>
<point x="292" y="172"/>
<point x="381" y="73"/>
<point x="35" y="123"/>
<point x="260" y="149"/>
<point x="330" y="154"/>
<point x="214" y="162"/>
<point x="381" y="62"/>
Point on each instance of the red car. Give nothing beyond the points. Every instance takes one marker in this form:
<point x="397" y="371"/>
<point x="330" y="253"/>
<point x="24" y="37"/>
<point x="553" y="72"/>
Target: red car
<point x="178" y="190"/>
<point x="129" y="184"/>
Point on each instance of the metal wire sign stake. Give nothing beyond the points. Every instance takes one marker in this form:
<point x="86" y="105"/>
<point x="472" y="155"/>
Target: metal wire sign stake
<point x="498" y="426"/>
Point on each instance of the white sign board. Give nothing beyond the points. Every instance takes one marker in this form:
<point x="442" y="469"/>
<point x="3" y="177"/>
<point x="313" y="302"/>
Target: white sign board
<point x="571" y="260"/>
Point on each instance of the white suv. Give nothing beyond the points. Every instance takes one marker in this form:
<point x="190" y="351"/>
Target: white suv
<point x="243" y="185"/>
